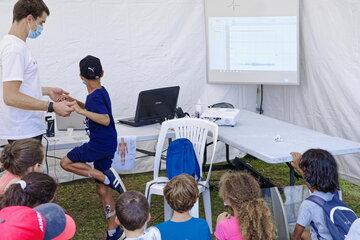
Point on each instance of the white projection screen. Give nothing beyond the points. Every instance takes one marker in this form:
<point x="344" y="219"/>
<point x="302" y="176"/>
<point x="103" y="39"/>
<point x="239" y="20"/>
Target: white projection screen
<point x="252" y="41"/>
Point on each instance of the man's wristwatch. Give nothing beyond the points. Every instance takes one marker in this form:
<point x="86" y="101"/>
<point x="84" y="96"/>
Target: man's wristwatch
<point x="50" y="107"/>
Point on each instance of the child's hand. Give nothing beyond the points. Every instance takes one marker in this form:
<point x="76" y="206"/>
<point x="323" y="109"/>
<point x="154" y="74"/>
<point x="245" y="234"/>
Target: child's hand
<point x="66" y="97"/>
<point x="77" y="108"/>
<point x="296" y="162"/>
<point x="222" y="216"/>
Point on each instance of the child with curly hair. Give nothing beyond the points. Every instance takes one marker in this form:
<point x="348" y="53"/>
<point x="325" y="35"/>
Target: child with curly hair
<point x="251" y="219"/>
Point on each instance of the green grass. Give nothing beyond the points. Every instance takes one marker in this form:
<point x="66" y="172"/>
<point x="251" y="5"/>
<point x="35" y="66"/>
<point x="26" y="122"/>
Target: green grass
<point x="80" y="200"/>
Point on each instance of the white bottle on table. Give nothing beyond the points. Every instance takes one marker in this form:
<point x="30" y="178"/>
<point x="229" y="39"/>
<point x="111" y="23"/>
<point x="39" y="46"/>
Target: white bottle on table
<point x="198" y="109"/>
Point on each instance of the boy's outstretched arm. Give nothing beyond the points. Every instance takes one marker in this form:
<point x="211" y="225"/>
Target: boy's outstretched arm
<point x="102" y="119"/>
<point x="71" y="99"/>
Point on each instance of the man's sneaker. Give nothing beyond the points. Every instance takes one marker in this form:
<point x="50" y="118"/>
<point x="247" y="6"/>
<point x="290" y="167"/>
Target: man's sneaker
<point x="117" y="235"/>
<point x="115" y="180"/>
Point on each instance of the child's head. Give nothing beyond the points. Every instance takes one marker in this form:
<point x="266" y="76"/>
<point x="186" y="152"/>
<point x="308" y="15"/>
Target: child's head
<point x="320" y="170"/>
<point x="132" y="210"/>
<point x="90" y="69"/>
<point x="238" y="187"/>
<point x="242" y="193"/>
<point x="22" y="156"/>
<point x="181" y="193"/>
<point x="32" y="190"/>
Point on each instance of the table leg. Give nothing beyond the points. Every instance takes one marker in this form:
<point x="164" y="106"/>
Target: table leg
<point x="293" y="174"/>
<point x="227" y="148"/>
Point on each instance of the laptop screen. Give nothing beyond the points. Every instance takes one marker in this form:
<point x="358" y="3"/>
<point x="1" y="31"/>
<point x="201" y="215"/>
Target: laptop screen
<point x="157" y="104"/>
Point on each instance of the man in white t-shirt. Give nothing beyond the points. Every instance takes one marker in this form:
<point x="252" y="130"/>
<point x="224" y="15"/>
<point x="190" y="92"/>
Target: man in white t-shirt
<point x="21" y="105"/>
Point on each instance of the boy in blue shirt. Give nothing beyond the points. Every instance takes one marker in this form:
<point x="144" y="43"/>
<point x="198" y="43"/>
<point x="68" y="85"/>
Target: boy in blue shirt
<point x="103" y="141"/>
<point x="319" y="169"/>
<point x="181" y="193"/>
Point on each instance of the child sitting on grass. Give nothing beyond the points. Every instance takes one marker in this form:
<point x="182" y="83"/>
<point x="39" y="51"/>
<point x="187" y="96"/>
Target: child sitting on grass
<point x="32" y="190"/>
<point x="181" y="193"/>
<point x="319" y="169"/>
<point x="251" y="219"/>
<point x="19" y="158"/>
<point x="133" y="213"/>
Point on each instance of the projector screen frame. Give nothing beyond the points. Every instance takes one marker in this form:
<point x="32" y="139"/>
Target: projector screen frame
<point x="254" y="77"/>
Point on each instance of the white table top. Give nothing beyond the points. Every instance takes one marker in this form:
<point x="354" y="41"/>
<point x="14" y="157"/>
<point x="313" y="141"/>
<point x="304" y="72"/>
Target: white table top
<point x="254" y="134"/>
<point x="63" y="141"/>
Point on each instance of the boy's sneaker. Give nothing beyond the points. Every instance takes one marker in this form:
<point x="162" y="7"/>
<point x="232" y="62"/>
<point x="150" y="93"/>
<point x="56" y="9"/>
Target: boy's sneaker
<point x="115" y="180"/>
<point x="117" y="235"/>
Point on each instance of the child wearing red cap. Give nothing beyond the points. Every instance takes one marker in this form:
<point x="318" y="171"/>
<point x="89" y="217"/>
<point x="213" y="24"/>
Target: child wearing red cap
<point x="45" y="222"/>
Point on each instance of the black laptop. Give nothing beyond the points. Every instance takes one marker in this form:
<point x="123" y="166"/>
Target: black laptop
<point x="154" y="106"/>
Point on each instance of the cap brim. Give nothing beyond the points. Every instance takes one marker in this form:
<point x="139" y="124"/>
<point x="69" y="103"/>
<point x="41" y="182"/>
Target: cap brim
<point x="69" y="231"/>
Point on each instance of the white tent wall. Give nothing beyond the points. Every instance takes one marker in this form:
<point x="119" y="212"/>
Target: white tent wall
<point x="146" y="44"/>
<point x="142" y="44"/>
<point x="328" y="97"/>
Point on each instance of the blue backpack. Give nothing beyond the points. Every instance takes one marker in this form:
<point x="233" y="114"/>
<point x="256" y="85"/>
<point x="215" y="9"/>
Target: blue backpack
<point x="338" y="216"/>
<point x="181" y="158"/>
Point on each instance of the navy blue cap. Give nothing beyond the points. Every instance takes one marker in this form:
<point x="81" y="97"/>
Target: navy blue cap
<point x="55" y="219"/>
<point x="90" y="68"/>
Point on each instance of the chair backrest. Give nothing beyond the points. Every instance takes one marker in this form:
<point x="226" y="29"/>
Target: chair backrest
<point x="194" y="129"/>
<point x="293" y="196"/>
<point x="273" y="198"/>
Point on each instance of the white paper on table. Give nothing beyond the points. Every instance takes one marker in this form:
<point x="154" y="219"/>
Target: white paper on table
<point x="124" y="158"/>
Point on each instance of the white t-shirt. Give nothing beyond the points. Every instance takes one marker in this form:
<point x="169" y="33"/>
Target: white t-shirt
<point x="152" y="233"/>
<point x="17" y="63"/>
<point x="354" y="232"/>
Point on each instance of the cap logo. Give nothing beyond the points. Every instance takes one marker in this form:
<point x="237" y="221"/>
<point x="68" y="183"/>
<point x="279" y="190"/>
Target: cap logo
<point x="92" y="69"/>
<point x="40" y="220"/>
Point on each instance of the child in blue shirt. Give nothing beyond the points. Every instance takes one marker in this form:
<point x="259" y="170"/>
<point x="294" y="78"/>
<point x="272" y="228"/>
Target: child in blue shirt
<point x="181" y="193"/>
<point x="103" y="141"/>
<point x="319" y="169"/>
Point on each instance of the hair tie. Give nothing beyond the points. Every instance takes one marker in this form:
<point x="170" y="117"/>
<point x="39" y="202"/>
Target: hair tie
<point x="22" y="184"/>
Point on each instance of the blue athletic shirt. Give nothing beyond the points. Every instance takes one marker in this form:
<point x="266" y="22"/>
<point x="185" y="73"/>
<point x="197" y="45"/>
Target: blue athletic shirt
<point x="102" y="138"/>
<point x="193" y="229"/>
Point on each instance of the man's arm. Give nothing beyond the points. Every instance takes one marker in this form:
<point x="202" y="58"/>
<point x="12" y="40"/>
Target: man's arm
<point x="14" y="98"/>
<point x="55" y="94"/>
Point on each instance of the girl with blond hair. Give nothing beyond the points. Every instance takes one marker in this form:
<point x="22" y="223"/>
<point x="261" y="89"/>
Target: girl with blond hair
<point x="251" y="218"/>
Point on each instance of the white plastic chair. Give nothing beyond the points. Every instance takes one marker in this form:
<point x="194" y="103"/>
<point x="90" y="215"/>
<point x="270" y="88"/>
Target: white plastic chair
<point x="197" y="131"/>
<point x="273" y="198"/>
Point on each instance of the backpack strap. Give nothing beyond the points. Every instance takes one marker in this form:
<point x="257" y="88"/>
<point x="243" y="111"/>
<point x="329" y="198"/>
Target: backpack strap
<point x="320" y="202"/>
<point x="312" y="224"/>
<point x="317" y="200"/>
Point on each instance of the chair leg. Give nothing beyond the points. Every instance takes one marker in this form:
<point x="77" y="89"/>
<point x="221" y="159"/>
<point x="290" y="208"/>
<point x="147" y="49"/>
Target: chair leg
<point x="194" y="212"/>
<point x="168" y="212"/>
<point x="149" y="199"/>
<point x="148" y="194"/>
<point x="207" y="207"/>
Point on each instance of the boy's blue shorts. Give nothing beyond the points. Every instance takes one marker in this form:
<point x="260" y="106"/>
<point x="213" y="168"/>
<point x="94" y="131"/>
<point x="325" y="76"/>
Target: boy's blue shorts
<point x="84" y="154"/>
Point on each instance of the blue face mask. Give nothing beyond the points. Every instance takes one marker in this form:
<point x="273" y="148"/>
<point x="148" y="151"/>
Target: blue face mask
<point x="34" y="34"/>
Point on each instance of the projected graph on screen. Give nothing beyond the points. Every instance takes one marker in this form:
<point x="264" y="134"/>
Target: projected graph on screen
<point x="252" y="43"/>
